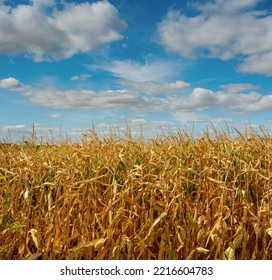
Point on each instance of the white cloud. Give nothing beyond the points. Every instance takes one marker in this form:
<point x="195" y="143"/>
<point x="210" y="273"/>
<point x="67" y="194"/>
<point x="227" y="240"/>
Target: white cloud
<point x="11" y="84"/>
<point x="138" y="121"/>
<point x="236" y="88"/>
<point x="226" y="7"/>
<point x="221" y="31"/>
<point x="239" y="102"/>
<point x="235" y="98"/>
<point x="155" y="87"/>
<point x="261" y="104"/>
<point x="82" y="77"/>
<point x="42" y="4"/>
<point x="156" y="71"/>
<point x="17" y="126"/>
<point x="197" y="117"/>
<point x="88" y="99"/>
<point x="55" y="116"/>
<point x="257" y="63"/>
<point x="201" y="99"/>
<point x="62" y="33"/>
<point x="10" y="132"/>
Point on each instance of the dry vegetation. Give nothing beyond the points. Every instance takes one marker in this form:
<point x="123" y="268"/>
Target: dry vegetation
<point x="174" y="197"/>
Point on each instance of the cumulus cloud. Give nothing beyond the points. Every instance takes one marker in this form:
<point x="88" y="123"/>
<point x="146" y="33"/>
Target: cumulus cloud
<point x="221" y="30"/>
<point x="11" y="84"/>
<point x="228" y="98"/>
<point x="156" y="71"/>
<point x="235" y="102"/>
<point x="258" y="63"/>
<point x="42" y="4"/>
<point x="236" y="98"/>
<point x="88" y="99"/>
<point x="201" y="97"/>
<point x="53" y="34"/>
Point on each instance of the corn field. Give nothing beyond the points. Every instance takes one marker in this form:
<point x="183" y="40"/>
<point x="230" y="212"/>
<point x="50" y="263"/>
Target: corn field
<point x="174" y="197"/>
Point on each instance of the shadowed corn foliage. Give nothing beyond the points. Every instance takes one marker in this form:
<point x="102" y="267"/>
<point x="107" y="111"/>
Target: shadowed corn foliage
<point x="174" y="197"/>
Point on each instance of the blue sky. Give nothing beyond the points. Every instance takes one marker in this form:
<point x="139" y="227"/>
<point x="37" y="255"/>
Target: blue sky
<point x="150" y="64"/>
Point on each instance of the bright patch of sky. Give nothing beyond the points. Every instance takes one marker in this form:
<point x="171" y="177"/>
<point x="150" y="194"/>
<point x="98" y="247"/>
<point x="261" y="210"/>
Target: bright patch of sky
<point x="148" y="64"/>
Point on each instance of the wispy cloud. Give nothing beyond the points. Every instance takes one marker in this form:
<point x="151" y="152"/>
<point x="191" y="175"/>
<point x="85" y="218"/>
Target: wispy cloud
<point x="226" y="7"/>
<point x="9" y="132"/>
<point x="17" y="126"/>
<point x="42" y="35"/>
<point x="55" y="116"/>
<point x="154" y="70"/>
<point x="155" y="87"/>
<point x="221" y="30"/>
<point x="236" y="88"/>
<point x="82" y="77"/>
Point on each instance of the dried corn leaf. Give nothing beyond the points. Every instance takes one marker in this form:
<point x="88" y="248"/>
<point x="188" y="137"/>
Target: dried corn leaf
<point x="181" y="234"/>
<point x="202" y="250"/>
<point x="230" y="254"/>
<point x="96" y="243"/>
<point x="34" y="235"/>
<point x="269" y="231"/>
<point x="164" y="214"/>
